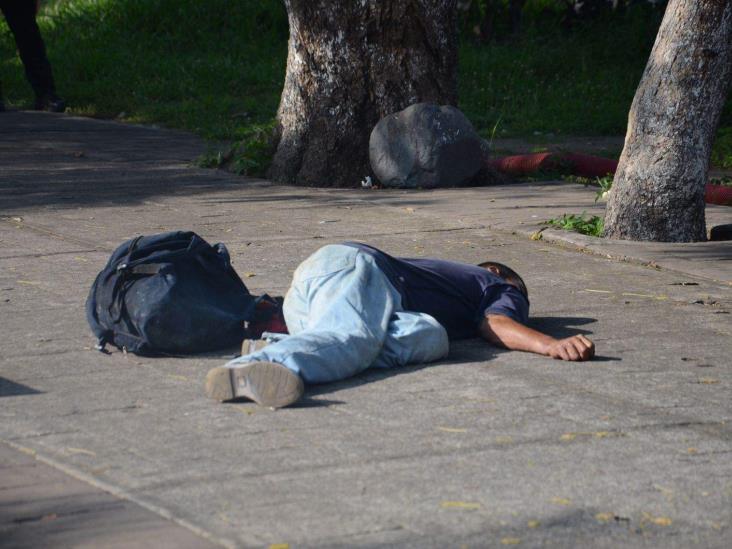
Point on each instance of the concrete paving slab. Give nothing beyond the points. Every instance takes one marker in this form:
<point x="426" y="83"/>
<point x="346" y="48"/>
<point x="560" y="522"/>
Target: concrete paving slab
<point x="522" y="208"/>
<point x="40" y="506"/>
<point x="486" y="448"/>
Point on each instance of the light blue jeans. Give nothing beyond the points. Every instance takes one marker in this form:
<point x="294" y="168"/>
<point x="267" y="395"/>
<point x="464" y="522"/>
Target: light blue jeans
<point x="344" y="316"/>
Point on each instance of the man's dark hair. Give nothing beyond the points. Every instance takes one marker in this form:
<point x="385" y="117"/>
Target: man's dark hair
<point x="508" y="274"/>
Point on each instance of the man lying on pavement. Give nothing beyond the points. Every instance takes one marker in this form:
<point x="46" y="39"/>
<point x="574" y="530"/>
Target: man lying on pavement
<point x="351" y="307"/>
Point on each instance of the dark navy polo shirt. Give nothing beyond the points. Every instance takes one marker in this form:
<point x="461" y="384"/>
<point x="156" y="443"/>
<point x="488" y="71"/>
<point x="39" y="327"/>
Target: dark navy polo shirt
<point x="457" y="295"/>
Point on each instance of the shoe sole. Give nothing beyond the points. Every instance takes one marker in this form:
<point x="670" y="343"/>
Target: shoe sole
<point x="249" y="346"/>
<point x="266" y="383"/>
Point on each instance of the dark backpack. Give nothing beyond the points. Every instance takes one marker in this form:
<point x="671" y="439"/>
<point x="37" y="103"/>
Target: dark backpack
<point x="170" y="293"/>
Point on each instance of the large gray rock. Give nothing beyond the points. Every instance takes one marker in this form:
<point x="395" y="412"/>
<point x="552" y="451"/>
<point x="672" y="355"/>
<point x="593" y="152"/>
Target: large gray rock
<point x="427" y="146"/>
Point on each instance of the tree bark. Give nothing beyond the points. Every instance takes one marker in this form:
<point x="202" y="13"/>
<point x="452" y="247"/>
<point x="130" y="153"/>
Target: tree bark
<point x="349" y="64"/>
<point x="658" y="192"/>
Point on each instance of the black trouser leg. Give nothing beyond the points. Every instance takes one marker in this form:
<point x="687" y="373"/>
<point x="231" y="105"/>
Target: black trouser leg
<point x="21" y="18"/>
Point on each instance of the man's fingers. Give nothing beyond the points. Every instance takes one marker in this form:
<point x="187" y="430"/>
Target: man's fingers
<point x="575" y="348"/>
<point x="582" y="348"/>
<point x="589" y="346"/>
<point x="572" y="351"/>
<point x="558" y="352"/>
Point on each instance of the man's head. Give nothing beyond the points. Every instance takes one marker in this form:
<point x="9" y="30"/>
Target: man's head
<point x="507" y="274"/>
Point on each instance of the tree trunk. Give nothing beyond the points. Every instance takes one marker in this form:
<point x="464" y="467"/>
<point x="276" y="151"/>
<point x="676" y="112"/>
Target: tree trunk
<point x="349" y="64"/>
<point x="658" y="192"/>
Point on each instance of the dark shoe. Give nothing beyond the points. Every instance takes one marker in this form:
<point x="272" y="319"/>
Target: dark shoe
<point x="50" y="102"/>
<point x="266" y="383"/>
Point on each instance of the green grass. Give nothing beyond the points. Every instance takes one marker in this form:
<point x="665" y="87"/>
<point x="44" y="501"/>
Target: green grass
<point x="214" y="67"/>
<point x="722" y="150"/>
<point x="724" y="181"/>
<point x="589" y="225"/>
<point x="217" y="67"/>
<point x="550" y="81"/>
<point x="603" y="184"/>
<point x="250" y="155"/>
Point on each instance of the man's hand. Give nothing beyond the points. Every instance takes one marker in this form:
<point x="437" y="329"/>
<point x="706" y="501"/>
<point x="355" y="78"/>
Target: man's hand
<point x="506" y="332"/>
<point x="576" y="348"/>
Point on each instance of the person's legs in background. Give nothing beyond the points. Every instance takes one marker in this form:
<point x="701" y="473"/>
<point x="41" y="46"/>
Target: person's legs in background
<point x="21" y="18"/>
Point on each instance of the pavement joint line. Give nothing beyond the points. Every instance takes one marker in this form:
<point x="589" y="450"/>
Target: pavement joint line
<point x="122" y="494"/>
<point x="24" y="225"/>
<point x="48" y="254"/>
<point x="321" y="237"/>
<point x="41" y="435"/>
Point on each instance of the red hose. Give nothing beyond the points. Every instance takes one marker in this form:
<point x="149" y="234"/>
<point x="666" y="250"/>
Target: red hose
<point x="584" y="165"/>
<point x="718" y="194"/>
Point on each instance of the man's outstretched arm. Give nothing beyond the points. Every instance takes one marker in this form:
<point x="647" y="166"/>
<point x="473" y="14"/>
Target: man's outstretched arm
<point x="506" y="332"/>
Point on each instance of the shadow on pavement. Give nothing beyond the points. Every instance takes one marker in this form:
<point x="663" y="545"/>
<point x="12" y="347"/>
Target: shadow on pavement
<point x="561" y="327"/>
<point x="11" y="388"/>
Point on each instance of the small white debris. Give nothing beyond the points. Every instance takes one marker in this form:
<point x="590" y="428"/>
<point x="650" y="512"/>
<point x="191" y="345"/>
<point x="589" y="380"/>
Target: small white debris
<point x="366" y="183"/>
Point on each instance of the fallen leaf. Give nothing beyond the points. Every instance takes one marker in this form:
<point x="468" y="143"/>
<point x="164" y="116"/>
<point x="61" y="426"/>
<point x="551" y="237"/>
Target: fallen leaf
<point x="245" y="410"/>
<point x="27" y="451"/>
<point x="596" y="434"/>
<point x="533" y="524"/>
<point x="279" y="546"/>
<point x="692" y="451"/>
<point x="605" y="517"/>
<point x="409" y="210"/>
<point x="561" y="501"/>
<point x="510" y="541"/>
<point x="249" y="275"/>
<point x="504" y="440"/>
<point x="80" y="451"/>
<point x="536" y="235"/>
<point x="28" y="282"/>
<point x="658" y="521"/>
<point x="631" y="294"/>
<point x="467" y="505"/>
<point x="451" y="429"/>
<point x="708" y="381"/>
<point x="597" y="291"/>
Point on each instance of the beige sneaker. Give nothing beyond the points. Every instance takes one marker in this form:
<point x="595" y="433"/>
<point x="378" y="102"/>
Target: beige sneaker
<point x="249" y="346"/>
<point x="266" y="383"/>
